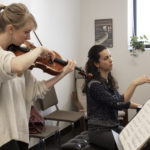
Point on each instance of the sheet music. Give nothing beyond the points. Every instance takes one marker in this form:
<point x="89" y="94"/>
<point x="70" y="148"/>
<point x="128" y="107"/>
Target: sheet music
<point x="116" y="137"/>
<point x="137" y="131"/>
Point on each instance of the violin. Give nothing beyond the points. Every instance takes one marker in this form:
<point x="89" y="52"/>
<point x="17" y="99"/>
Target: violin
<point x="53" y="68"/>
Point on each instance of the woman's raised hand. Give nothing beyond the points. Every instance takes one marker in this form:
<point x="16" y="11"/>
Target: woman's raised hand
<point x="141" y="80"/>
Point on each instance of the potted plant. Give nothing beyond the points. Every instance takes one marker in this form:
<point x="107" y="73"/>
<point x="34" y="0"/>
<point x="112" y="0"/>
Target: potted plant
<point x="138" y="44"/>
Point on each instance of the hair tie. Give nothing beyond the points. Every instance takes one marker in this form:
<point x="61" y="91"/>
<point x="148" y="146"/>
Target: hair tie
<point x="2" y="7"/>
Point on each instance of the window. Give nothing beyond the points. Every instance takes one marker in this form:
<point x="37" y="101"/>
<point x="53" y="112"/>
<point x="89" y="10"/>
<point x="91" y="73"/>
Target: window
<point x="143" y="20"/>
<point x="138" y="17"/>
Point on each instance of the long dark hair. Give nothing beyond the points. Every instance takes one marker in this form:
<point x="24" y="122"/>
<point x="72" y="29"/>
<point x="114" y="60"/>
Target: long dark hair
<point x="90" y="68"/>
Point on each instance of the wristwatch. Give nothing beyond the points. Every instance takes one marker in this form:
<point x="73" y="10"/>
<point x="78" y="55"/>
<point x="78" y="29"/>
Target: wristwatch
<point x="138" y="108"/>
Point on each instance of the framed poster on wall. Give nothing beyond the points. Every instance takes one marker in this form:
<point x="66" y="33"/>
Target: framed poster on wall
<point x="103" y="32"/>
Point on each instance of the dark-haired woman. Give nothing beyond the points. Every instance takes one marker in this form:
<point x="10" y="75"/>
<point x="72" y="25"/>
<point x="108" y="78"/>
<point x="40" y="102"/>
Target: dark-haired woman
<point x="17" y="92"/>
<point x="103" y="99"/>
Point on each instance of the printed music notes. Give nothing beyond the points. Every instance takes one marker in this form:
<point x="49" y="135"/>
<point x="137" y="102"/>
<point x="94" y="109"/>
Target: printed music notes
<point x="137" y="131"/>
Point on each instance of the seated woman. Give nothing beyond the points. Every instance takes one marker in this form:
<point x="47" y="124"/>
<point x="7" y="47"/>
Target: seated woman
<point x="103" y="99"/>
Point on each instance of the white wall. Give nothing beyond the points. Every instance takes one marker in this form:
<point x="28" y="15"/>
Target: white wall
<point x="59" y="29"/>
<point x="126" y="67"/>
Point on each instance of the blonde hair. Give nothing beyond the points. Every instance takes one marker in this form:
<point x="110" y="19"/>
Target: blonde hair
<point x="16" y="14"/>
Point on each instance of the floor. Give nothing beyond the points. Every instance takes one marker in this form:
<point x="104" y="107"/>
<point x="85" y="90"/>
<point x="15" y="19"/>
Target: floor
<point x="54" y="142"/>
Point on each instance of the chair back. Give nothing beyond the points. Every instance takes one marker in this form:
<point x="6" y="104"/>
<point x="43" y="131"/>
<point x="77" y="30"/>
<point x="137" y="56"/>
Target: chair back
<point x="80" y="94"/>
<point x="49" y="100"/>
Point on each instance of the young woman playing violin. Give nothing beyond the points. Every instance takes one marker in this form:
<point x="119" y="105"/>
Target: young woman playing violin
<point x="17" y="93"/>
